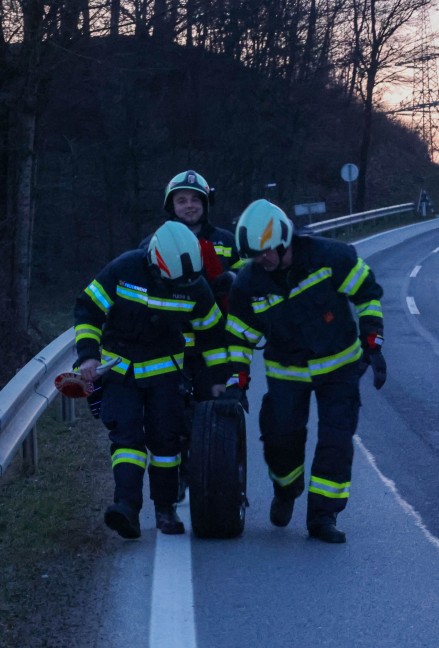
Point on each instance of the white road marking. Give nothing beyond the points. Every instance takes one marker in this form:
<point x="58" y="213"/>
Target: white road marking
<point x="172" y="608"/>
<point x="436" y="250"/>
<point x="411" y="305"/>
<point x="415" y="271"/>
<point x="401" y="501"/>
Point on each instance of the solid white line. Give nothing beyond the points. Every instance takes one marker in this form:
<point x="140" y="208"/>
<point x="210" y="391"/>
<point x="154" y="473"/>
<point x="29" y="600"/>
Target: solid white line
<point x="391" y="486"/>
<point x="436" y="250"/>
<point x="411" y="305"/>
<point x="415" y="271"/>
<point x="172" y="608"/>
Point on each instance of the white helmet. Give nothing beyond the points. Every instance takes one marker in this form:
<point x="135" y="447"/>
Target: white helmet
<point x="175" y="252"/>
<point x="187" y="180"/>
<point x="262" y="226"/>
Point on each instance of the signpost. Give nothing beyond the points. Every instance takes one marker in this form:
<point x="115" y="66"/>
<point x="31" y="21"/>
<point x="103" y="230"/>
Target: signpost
<point x="349" y="173"/>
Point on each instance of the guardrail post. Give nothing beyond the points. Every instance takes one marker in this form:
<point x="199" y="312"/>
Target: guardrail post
<point x="29" y="452"/>
<point x="68" y="412"/>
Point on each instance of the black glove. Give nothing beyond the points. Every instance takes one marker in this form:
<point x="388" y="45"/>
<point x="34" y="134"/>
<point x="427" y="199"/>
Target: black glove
<point x="379" y="368"/>
<point x="364" y="363"/>
<point x="222" y="283"/>
<point x="378" y="364"/>
<point x="233" y="395"/>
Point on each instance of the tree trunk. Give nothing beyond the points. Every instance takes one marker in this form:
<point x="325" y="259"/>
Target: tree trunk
<point x="364" y="158"/>
<point x="24" y="171"/>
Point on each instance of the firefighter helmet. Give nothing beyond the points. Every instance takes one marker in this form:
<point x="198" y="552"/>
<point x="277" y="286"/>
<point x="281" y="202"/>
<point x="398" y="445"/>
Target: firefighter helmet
<point x="187" y="180"/>
<point x="262" y="226"/>
<point x="175" y="253"/>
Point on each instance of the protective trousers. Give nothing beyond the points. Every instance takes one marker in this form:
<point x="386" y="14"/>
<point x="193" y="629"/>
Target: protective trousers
<point x="145" y="426"/>
<point x="283" y="422"/>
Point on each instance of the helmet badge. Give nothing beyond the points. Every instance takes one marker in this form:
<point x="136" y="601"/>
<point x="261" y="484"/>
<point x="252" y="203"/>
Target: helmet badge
<point x="267" y="233"/>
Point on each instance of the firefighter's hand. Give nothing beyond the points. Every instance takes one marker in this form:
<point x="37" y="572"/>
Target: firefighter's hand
<point x="379" y="368"/>
<point x="364" y="363"/>
<point x="88" y="369"/>
<point x="232" y="396"/>
<point x="217" y="390"/>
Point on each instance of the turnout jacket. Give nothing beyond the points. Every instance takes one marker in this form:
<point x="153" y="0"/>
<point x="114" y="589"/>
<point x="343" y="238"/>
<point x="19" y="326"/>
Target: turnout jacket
<point x="304" y="313"/>
<point x="128" y="311"/>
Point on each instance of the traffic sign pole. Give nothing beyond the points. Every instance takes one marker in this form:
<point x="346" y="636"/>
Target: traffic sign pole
<point x="349" y="173"/>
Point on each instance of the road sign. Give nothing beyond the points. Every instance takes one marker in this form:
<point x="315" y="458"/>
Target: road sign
<point x="349" y="172"/>
<point x="306" y="209"/>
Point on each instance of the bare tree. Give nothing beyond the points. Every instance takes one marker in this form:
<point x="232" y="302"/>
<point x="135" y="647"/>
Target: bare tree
<point x="375" y="52"/>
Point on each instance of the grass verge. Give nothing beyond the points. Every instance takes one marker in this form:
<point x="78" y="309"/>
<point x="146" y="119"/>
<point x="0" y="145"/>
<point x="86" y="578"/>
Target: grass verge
<point x="51" y="531"/>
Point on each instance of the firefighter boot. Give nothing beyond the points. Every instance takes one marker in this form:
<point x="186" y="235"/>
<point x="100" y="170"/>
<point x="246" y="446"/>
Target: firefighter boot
<point x="167" y="520"/>
<point x="121" y="517"/>
<point x="324" y="529"/>
<point x="281" y="511"/>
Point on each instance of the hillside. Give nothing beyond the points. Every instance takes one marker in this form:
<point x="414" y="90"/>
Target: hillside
<point x="121" y="117"/>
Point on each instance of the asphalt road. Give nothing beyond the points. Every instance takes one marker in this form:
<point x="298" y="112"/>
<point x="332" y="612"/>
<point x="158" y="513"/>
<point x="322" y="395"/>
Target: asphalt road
<point x="276" y="587"/>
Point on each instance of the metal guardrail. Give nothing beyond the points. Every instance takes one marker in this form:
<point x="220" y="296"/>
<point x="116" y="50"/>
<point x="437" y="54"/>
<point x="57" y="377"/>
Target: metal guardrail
<point x="361" y="217"/>
<point x="24" y="399"/>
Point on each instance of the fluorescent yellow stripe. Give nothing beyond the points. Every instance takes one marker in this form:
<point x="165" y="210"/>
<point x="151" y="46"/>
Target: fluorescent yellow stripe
<point x="127" y="455"/>
<point x="330" y="489"/>
<point x="288" y="479"/>
<point x="165" y="462"/>
<point x="212" y="318"/>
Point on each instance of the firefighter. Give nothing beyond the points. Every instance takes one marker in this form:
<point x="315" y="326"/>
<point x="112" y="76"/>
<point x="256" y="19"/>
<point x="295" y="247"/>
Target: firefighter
<point x="297" y="293"/>
<point x="187" y="200"/>
<point x="137" y="308"/>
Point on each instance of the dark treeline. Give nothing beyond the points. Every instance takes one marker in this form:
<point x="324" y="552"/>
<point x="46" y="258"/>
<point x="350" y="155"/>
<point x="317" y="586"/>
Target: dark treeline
<point x="101" y="102"/>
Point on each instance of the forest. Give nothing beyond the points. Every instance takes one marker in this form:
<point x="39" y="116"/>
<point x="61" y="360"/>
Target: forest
<point x="103" y="101"/>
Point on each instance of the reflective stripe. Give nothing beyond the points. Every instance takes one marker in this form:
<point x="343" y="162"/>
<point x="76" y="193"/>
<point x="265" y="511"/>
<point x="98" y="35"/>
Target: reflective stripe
<point x="171" y="304"/>
<point x="215" y="357"/>
<point x="165" y="462"/>
<point x="89" y="332"/>
<point x="315" y="367"/>
<point x="264" y="304"/>
<point x="127" y="455"/>
<point x="237" y="327"/>
<point x="157" y="366"/>
<point x="222" y="250"/>
<point x="288" y="479"/>
<point x="291" y="372"/>
<point x="190" y="339"/>
<point x="372" y="308"/>
<point x="139" y="296"/>
<point x="121" y="367"/>
<point x="99" y="296"/>
<point x="321" y="366"/>
<point x="240" y="354"/>
<point x="239" y="264"/>
<point x="311" y="280"/>
<point x="212" y="318"/>
<point x="355" y="278"/>
<point x="329" y="488"/>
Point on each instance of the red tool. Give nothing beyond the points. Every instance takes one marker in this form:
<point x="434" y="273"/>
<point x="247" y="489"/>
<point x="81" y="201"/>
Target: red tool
<point x="71" y="384"/>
